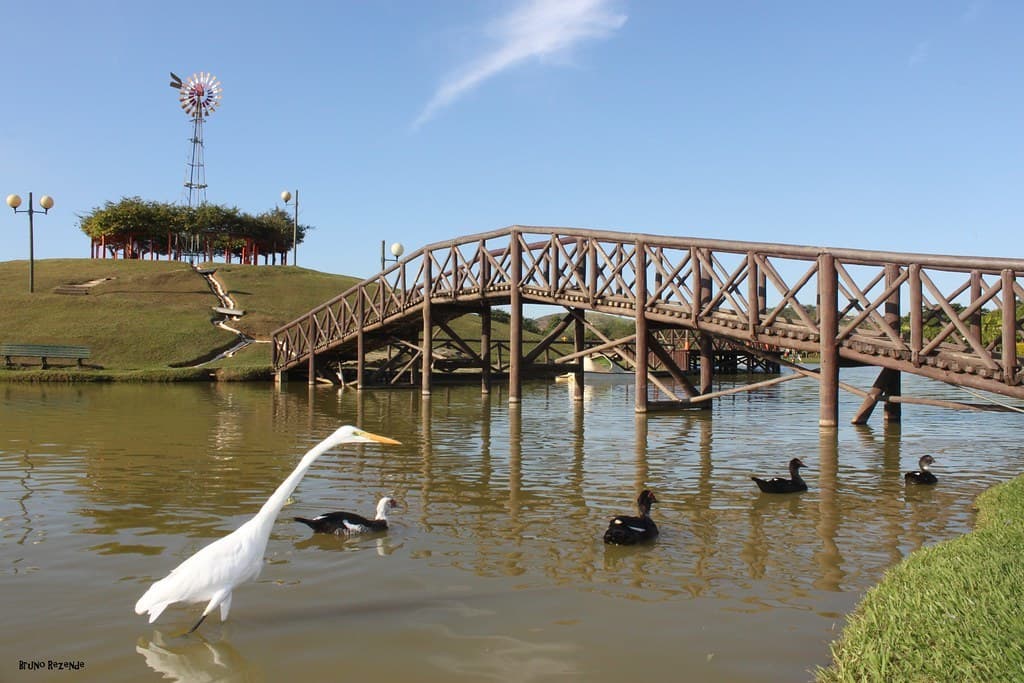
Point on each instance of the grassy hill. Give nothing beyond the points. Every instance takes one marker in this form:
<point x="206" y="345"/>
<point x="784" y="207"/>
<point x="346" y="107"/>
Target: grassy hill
<point x="147" y="320"/>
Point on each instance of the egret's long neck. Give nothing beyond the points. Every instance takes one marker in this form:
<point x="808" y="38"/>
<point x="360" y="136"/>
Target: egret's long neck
<point x="268" y="513"/>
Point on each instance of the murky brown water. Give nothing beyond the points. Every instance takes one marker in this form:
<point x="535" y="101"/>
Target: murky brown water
<point x="495" y="571"/>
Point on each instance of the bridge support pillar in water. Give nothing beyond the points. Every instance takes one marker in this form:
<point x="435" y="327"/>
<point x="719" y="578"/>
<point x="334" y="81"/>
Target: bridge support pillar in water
<point x="515" y="333"/>
<point x="828" y="385"/>
<point x="578" y="345"/>
<point x="642" y="353"/>
<point x="427" y="348"/>
<point x="360" y="350"/>
<point x="485" y="350"/>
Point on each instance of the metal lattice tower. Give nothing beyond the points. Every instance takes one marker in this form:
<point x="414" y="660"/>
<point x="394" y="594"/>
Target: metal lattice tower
<point x="199" y="97"/>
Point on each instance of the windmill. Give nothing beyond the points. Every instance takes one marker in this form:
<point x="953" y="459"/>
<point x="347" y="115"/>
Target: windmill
<point x="199" y="96"/>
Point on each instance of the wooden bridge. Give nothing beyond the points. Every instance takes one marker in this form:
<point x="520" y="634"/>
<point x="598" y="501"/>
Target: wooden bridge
<point x="955" y="319"/>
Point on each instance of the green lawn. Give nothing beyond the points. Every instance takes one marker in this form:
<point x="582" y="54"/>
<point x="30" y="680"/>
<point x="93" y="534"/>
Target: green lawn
<point x="950" y="612"/>
<point x="148" y="319"/>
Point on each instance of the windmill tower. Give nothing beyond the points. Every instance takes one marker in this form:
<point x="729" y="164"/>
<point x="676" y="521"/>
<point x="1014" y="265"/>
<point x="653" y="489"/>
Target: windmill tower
<point x="199" y="97"/>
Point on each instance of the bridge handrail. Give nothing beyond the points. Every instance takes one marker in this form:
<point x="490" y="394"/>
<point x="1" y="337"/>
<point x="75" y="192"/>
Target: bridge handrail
<point x="987" y="264"/>
<point x="602" y="266"/>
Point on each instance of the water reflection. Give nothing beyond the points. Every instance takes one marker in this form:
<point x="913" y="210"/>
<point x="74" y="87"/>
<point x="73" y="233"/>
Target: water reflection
<point x="103" y="487"/>
<point x="829" y="558"/>
<point x="195" y="659"/>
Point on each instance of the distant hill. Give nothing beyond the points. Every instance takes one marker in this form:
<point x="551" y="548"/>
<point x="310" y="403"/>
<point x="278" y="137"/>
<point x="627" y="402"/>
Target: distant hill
<point x="612" y="326"/>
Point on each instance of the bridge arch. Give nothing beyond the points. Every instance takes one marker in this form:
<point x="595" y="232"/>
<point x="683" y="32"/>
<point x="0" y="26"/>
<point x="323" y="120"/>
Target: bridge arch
<point x="956" y="319"/>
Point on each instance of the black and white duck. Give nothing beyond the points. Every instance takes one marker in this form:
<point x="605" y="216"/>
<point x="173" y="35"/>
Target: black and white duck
<point x="781" y="485"/>
<point x="629" y="530"/>
<point x="349" y="523"/>
<point x="923" y="475"/>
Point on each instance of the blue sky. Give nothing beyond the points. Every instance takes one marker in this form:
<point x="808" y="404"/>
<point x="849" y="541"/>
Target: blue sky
<point x="869" y="124"/>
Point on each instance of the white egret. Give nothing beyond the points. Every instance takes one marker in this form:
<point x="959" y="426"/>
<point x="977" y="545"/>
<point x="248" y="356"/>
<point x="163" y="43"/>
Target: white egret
<point x="215" y="570"/>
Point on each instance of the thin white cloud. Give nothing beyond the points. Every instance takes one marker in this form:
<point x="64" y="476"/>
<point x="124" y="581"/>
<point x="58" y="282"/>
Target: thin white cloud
<point x="973" y="10"/>
<point x="533" y="29"/>
<point x="920" y="53"/>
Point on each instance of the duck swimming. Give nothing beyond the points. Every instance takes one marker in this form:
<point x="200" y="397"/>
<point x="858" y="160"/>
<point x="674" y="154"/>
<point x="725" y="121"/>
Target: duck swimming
<point x="628" y="530"/>
<point x="780" y="485"/>
<point x="349" y="523"/>
<point x="924" y="475"/>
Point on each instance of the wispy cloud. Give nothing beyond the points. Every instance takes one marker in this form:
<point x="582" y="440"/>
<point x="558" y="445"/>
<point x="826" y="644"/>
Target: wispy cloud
<point x="533" y="29"/>
<point x="920" y="53"/>
<point x="974" y="9"/>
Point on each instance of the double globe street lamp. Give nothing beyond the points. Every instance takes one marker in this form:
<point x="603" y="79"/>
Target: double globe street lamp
<point x="46" y="201"/>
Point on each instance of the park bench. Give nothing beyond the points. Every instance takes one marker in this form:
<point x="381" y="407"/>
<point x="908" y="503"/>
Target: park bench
<point x="43" y="352"/>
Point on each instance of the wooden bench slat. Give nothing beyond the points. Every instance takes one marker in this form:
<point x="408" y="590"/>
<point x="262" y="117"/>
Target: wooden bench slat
<point x="43" y="351"/>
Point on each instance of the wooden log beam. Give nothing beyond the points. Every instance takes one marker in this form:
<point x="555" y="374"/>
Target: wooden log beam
<point x="893" y="385"/>
<point x="642" y="336"/>
<point x="426" y="353"/>
<point x="828" y="387"/>
<point x="550" y="337"/>
<point x="516" y="321"/>
<point x="746" y="387"/>
<point x="578" y="344"/>
<point x="621" y="341"/>
<point x="877" y="392"/>
<point x="670" y="365"/>
<point x="485" y="350"/>
<point x="939" y="403"/>
<point x="454" y="338"/>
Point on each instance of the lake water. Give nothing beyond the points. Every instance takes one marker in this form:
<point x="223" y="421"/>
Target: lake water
<point x="494" y="570"/>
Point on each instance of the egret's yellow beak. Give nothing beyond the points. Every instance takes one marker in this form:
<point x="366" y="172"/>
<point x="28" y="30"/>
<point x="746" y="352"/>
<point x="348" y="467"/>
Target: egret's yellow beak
<point x="378" y="438"/>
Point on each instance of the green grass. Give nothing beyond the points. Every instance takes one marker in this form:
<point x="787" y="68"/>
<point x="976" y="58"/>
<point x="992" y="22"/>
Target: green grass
<point x="950" y="612"/>
<point x="147" y="319"/>
<point x="272" y="296"/>
<point x="150" y="320"/>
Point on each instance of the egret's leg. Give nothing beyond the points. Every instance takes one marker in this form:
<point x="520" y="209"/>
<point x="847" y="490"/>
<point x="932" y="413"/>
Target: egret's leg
<point x="217" y="599"/>
<point x="225" y="607"/>
<point x="197" y="624"/>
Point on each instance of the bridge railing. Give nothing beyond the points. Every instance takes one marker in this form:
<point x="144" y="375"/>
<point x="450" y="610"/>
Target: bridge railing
<point x="959" y="315"/>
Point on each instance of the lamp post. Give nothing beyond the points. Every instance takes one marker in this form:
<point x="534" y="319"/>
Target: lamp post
<point x="286" y="196"/>
<point x="396" y="250"/>
<point x="46" y="201"/>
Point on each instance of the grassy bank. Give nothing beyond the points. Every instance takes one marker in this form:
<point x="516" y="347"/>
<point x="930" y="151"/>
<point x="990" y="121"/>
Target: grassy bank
<point x="950" y="612"/>
<point x="151" y="321"/>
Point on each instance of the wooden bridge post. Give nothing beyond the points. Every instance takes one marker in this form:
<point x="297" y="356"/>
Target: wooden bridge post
<point x="311" y="337"/>
<point x="515" y="335"/>
<point x="640" y="305"/>
<point x="753" y="300"/>
<point x="975" y="295"/>
<point x="1009" y="328"/>
<point x="485" y="319"/>
<point x="915" y="313"/>
<point x="360" y="342"/>
<point x="892" y="409"/>
<point x="828" y="324"/>
<point x="701" y="297"/>
<point x="578" y="345"/>
<point x="485" y="350"/>
<point x="427" y="348"/>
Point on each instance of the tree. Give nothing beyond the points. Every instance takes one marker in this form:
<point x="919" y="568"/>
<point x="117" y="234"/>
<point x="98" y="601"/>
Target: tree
<point x="136" y="228"/>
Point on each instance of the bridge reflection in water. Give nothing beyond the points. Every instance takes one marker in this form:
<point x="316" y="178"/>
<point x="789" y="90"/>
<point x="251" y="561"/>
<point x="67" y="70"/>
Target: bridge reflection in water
<point x="952" y="318"/>
<point x="496" y="564"/>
